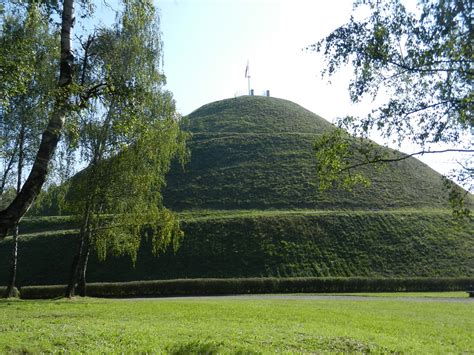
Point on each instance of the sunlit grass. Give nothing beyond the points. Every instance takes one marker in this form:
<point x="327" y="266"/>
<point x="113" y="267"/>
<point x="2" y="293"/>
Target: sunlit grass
<point x="454" y="294"/>
<point x="229" y="325"/>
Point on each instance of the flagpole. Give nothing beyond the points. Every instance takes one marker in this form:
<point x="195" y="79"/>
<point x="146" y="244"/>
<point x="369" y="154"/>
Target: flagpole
<point x="247" y="75"/>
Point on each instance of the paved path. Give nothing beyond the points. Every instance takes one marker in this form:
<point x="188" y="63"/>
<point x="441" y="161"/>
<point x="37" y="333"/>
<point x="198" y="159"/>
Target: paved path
<point x="310" y="297"/>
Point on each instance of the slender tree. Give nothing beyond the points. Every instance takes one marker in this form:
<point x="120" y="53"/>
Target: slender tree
<point x="75" y="91"/>
<point x="23" y="119"/>
<point x="127" y="139"/>
<point x="11" y="216"/>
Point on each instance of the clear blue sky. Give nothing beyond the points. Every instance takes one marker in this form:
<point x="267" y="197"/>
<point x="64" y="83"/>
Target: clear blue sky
<point x="207" y="44"/>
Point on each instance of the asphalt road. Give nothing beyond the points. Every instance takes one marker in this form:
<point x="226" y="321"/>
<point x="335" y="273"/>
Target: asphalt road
<point x="311" y="297"/>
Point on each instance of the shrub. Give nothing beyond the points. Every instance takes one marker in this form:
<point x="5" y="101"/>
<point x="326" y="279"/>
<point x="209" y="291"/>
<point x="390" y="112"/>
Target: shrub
<point x="3" y="290"/>
<point x="203" y="287"/>
<point x="43" y="292"/>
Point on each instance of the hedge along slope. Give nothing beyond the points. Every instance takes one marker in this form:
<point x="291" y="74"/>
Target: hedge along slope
<point x="274" y="244"/>
<point x="256" y="152"/>
<point x="203" y="287"/>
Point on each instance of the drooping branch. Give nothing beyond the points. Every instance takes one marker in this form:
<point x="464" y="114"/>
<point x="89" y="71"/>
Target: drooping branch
<point x="422" y="69"/>
<point x="85" y="61"/>
<point x="91" y="92"/>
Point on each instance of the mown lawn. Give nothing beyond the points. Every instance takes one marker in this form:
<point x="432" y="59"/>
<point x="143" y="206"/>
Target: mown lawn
<point x="236" y="325"/>
<point x="448" y="294"/>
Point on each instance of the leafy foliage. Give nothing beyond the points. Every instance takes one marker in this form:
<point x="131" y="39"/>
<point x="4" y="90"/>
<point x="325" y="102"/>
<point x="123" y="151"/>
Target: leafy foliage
<point x="29" y="43"/>
<point x="15" y="53"/>
<point x="421" y="62"/>
<point x="24" y="113"/>
<point x="204" y="287"/>
<point x="127" y="138"/>
<point x="334" y="153"/>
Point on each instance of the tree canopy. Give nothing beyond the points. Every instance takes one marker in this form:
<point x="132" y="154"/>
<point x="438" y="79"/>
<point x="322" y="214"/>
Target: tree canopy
<point x="27" y="104"/>
<point x="107" y="99"/>
<point x="105" y="72"/>
<point x="25" y="108"/>
<point x="421" y="63"/>
<point x="62" y="104"/>
<point x="127" y="137"/>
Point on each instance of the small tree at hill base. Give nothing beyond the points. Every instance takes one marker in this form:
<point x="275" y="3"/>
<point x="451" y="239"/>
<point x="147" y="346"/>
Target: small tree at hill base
<point x="128" y="139"/>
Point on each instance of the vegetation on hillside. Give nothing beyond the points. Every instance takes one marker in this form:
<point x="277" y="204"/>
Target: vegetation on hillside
<point x="401" y="243"/>
<point x="250" y="208"/>
<point x="255" y="114"/>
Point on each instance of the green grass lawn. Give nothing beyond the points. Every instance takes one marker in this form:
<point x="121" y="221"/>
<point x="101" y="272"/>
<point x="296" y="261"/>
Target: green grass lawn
<point x="230" y="325"/>
<point x="448" y="294"/>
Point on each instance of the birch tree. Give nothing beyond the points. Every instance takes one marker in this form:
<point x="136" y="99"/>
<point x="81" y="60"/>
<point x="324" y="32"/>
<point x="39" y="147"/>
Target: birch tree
<point x="22" y="120"/>
<point x="127" y="138"/>
<point x="11" y="216"/>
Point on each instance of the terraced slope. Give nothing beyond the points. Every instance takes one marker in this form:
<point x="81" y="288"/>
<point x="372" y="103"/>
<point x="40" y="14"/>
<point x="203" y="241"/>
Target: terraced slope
<point x="250" y="207"/>
<point x="397" y="243"/>
<point x="256" y="152"/>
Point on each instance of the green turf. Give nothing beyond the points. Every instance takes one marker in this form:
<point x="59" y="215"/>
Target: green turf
<point x="291" y="243"/>
<point x="449" y="294"/>
<point x="256" y="153"/>
<point x="232" y="326"/>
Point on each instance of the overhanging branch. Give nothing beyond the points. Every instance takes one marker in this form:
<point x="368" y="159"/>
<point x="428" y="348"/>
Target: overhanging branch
<point x="404" y="156"/>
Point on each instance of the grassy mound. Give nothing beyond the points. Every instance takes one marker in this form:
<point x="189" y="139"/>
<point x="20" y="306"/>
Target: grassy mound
<point x="250" y="207"/>
<point x="256" y="153"/>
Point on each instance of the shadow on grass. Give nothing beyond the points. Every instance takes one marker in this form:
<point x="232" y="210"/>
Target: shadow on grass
<point x="308" y="343"/>
<point x="195" y="347"/>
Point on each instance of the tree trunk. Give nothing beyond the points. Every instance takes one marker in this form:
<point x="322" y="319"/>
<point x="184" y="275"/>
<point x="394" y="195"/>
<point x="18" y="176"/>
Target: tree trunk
<point x="23" y="201"/>
<point x="8" y="168"/>
<point x="74" y="271"/>
<point x="13" y="268"/>
<point x="81" y="285"/>
<point x="14" y="261"/>
<point x="80" y="251"/>
<point x="71" y="286"/>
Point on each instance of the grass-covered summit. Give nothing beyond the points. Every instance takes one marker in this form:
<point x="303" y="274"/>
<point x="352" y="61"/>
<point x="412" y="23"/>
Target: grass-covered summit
<point x="254" y="152"/>
<point x="255" y="114"/>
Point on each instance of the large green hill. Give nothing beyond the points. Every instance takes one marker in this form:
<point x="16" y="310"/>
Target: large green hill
<point x="255" y="152"/>
<point x="250" y="206"/>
